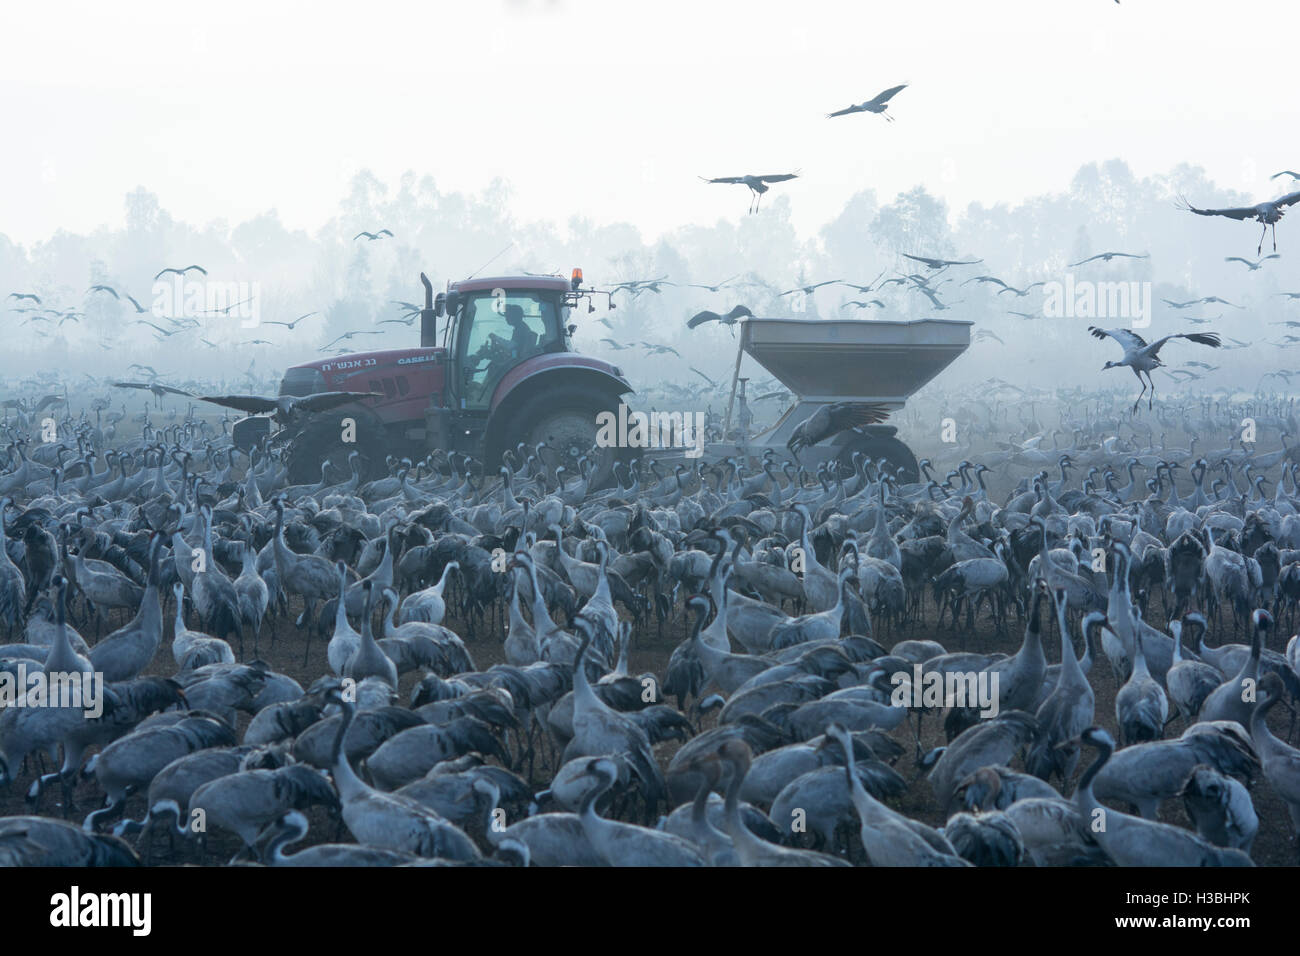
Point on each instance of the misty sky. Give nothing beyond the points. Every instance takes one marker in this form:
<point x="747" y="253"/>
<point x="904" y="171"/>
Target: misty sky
<point x="610" y="110"/>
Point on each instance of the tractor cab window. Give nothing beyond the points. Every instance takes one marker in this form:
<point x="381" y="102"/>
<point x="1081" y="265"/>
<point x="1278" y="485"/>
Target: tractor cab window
<point x="497" y="333"/>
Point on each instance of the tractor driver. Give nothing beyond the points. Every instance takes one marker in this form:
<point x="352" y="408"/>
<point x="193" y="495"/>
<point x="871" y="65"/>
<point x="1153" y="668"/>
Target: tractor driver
<point x="523" y="340"/>
<point x="502" y="354"/>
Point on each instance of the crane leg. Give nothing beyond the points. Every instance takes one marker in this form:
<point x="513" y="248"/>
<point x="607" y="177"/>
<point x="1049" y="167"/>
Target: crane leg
<point x="1153" y="391"/>
<point x="1275" y="237"/>
<point x="1141" y="393"/>
<point x="1260" y="247"/>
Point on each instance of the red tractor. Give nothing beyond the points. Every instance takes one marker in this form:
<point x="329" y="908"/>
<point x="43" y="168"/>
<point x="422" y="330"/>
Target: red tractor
<point x="505" y="373"/>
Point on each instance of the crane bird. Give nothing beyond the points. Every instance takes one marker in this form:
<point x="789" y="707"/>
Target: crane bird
<point x="940" y="263"/>
<point x="831" y="420"/>
<point x="180" y="272"/>
<point x="372" y="236"/>
<point x="711" y="288"/>
<point x="757" y="184"/>
<point x="1267" y="213"/>
<point x="349" y="336"/>
<point x="877" y="104"/>
<point x="285" y="407"/>
<point x="290" y="325"/>
<point x="1252" y="266"/>
<point x="1143" y="358"/>
<point x="1107" y="256"/>
<point x="810" y="288"/>
<point x="157" y="388"/>
<point x="730" y="318"/>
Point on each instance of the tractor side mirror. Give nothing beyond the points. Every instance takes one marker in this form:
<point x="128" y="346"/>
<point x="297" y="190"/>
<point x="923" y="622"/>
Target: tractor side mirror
<point x="452" y="301"/>
<point x="440" y="304"/>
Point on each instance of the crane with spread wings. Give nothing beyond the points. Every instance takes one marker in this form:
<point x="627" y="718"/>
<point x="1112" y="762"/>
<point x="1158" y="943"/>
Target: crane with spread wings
<point x="1267" y="213"/>
<point x="757" y="184"/>
<point x="157" y="388"/>
<point x="285" y="408"/>
<point x="1142" y="357"/>
<point x="877" y="104"/>
<point x="830" y="420"/>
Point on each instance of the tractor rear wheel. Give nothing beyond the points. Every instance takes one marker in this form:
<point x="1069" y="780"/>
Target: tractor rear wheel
<point x="567" y="424"/>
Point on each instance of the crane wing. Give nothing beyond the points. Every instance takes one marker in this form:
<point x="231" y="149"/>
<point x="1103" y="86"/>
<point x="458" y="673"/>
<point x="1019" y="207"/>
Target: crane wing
<point x="326" y="400"/>
<point x="1127" y="338"/>
<point x="253" y="404"/>
<point x="1290" y="199"/>
<point x="845" y="112"/>
<point x="725" y="179"/>
<point x="701" y="317"/>
<point x="778" y="177"/>
<point x="130" y="384"/>
<point x="1200" y="338"/>
<point x="887" y="95"/>
<point x="854" y="414"/>
<point x="1236" y="212"/>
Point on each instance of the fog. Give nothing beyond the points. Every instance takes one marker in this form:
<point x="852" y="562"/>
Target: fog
<point x="989" y="174"/>
<point x="354" y="283"/>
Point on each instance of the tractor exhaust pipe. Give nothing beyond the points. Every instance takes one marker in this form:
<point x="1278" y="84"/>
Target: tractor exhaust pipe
<point x="428" y="317"/>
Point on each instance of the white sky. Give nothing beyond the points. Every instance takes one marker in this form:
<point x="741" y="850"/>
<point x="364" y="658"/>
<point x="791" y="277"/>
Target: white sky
<point x="610" y="110"/>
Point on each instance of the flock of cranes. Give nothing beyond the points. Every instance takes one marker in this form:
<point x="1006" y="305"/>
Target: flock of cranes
<point x="760" y="184"/>
<point x="472" y="662"/>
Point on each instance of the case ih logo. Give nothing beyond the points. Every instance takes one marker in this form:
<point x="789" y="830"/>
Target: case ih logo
<point x="415" y="359"/>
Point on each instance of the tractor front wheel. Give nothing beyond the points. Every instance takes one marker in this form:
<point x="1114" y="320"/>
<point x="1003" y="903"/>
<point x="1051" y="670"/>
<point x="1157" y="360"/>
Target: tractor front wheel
<point x="321" y="439"/>
<point x="876" y="447"/>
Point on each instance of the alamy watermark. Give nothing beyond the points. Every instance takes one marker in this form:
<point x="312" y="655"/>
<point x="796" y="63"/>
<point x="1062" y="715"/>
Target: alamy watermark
<point x="63" y="689"/>
<point x="74" y="909"/>
<point x="936" y="689"/>
<point x="1086" y="299"/>
<point x="177" y="297"/>
<point x="629" y="429"/>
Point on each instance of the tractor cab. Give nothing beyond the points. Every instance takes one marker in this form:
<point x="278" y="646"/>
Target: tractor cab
<point x="493" y="326"/>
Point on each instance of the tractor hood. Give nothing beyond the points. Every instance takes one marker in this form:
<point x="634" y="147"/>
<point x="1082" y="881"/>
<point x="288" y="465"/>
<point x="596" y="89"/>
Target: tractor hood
<point x="347" y="365"/>
<point x="405" y="378"/>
